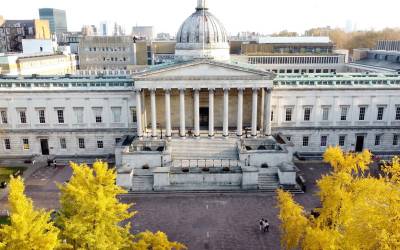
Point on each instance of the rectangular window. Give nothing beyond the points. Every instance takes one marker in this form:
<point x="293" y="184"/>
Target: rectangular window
<point x="272" y="115"/>
<point x="306" y="140"/>
<point x="25" y="143"/>
<point x="81" y="143"/>
<point x="4" y="118"/>
<point x="22" y="116"/>
<point x="116" y="112"/>
<point x="78" y="115"/>
<point x="325" y="113"/>
<point x="7" y="144"/>
<point x="98" y="115"/>
<point x="397" y="113"/>
<point x="288" y="115"/>
<point x="63" y="143"/>
<point x="343" y="113"/>
<point x="324" y="140"/>
<point x="42" y="117"/>
<point x="342" y="140"/>
<point x="378" y="140"/>
<point x="133" y="115"/>
<point x="289" y="138"/>
<point x="380" y="113"/>
<point x="100" y="144"/>
<point x="60" y="116"/>
<point x="307" y="114"/>
<point x="361" y="115"/>
<point x="395" y="140"/>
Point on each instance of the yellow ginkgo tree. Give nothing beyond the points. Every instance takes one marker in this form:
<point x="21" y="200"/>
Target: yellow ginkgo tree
<point x="29" y="228"/>
<point x="358" y="211"/>
<point x="92" y="217"/>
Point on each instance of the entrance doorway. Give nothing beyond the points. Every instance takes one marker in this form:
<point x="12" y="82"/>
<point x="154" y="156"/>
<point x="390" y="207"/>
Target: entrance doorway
<point x="44" y="144"/>
<point x="204" y="117"/>
<point x="359" y="143"/>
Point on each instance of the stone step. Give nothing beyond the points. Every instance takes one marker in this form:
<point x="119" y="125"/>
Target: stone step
<point x="268" y="181"/>
<point x="142" y="183"/>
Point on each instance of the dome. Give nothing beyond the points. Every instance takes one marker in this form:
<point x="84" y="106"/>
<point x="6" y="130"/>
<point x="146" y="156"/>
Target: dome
<point x="202" y="35"/>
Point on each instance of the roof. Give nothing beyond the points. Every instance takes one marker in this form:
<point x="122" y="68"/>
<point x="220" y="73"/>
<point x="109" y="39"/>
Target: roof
<point x="295" y="39"/>
<point x="379" y="64"/>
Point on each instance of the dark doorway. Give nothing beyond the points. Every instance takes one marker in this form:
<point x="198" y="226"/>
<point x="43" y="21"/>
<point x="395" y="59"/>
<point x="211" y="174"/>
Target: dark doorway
<point x="360" y="143"/>
<point x="44" y="143"/>
<point x="204" y="117"/>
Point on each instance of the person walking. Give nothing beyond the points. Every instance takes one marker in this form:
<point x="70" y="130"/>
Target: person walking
<point x="261" y="224"/>
<point x="266" y="226"/>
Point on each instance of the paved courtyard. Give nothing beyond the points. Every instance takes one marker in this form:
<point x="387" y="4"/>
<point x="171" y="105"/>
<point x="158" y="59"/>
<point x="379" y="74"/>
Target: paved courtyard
<point x="201" y="221"/>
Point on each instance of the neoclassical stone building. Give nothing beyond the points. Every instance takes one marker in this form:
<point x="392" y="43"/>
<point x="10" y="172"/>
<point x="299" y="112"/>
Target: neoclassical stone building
<point x="200" y="122"/>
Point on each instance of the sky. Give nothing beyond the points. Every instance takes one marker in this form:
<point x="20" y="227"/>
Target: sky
<point x="263" y="16"/>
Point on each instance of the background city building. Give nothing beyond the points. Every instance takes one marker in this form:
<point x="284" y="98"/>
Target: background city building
<point x="57" y="19"/>
<point x="144" y="32"/>
<point x="13" y="31"/>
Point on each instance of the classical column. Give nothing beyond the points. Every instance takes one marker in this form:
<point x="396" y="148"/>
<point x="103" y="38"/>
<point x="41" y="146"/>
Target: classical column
<point x="254" y="113"/>
<point x="211" y="112"/>
<point x="168" y="113"/>
<point x="153" y="113"/>
<point x="139" y="127"/>
<point x="267" y="112"/>
<point x="196" y="113"/>
<point x="226" y="113"/>
<point x="182" y="131"/>
<point x="239" y="131"/>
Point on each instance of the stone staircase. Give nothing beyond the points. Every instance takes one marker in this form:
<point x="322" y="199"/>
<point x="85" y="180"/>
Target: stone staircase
<point x="268" y="181"/>
<point x="204" y="149"/>
<point x="142" y="183"/>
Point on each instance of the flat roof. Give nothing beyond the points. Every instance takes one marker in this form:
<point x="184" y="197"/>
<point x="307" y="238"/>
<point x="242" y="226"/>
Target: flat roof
<point x="294" y="39"/>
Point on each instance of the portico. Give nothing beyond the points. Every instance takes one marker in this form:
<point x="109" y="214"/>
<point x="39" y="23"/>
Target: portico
<point x="181" y="99"/>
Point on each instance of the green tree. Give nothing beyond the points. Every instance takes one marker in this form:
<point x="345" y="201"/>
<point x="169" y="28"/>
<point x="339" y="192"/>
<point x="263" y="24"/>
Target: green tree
<point x="29" y="228"/>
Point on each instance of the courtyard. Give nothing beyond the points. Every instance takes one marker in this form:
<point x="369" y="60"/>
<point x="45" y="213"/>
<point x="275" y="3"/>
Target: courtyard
<point x="199" y="220"/>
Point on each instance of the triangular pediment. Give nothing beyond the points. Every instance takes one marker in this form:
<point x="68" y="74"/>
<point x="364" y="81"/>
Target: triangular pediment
<point x="202" y="69"/>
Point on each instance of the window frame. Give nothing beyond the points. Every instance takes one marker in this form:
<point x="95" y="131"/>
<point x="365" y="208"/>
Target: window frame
<point x="60" y="118"/>
<point x="342" y="140"/>
<point x="324" y="141"/>
<point x="307" y="114"/>
<point x="25" y="144"/>
<point x="7" y="143"/>
<point x="288" y="114"/>
<point x="306" y="141"/>
<point x="81" y="143"/>
<point x="380" y="115"/>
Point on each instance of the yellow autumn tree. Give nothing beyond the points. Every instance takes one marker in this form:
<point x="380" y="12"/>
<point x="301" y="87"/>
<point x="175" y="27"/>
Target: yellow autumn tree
<point x="358" y="211"/>
<point x="157" y="241"/>
<point x="92" y="217"/>
<point x="29" y="228"/>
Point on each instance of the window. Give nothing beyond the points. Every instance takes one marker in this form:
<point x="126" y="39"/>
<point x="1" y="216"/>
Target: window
<point x="63" y="143"/>
<point x="42" y="117"/>
<point x="395" y="140"/>
<point x="117" y="140"/>
<point x="60" y="116"/>
<point x="289" y="138"/>
<point x="307" y="114"/>
<point x="133" y="114"/>
<point x="306" y="140"/>
<point x="380" y="113"/>
<point x="342" y="140"/>
<point x="324" y="140"/>
<point x="81" y="143"/>
<point x="78" y="115"/>
<point x="7" y="144"/>
<point x="288" y="115"/>
<point x="116" y="112"/>
<point x="22" y="116"/>
<point x="98" y="115"/>
<point x="397" y="113"/>
<point x="378" y="140"/>
<point x="25" y="143"/>
<point x="272" y="115"/>
<point x="4" y="117"/>
<point x="343" y="113"/>
<point x="100" y="144"/>
<point x="325" y="113"/>
<point x="361" y="116"/>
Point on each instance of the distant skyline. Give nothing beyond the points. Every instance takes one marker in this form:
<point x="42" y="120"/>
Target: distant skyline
<point x="251" y="15"/>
